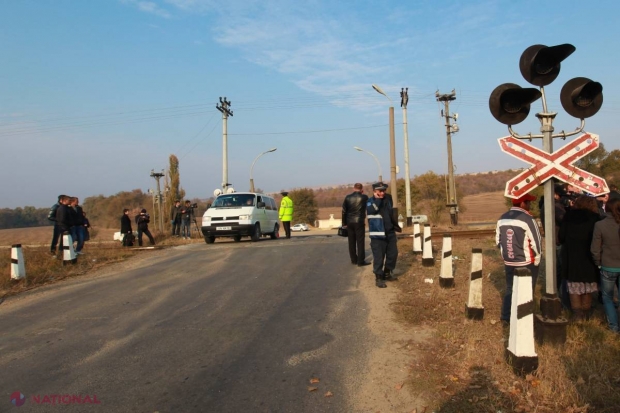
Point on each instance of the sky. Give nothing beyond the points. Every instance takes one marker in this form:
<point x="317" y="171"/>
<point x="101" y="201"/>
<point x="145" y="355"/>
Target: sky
<point x="94" y="95"/>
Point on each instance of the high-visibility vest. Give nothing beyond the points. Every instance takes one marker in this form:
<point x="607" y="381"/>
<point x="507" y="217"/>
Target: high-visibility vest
<point x="286" y="209"/>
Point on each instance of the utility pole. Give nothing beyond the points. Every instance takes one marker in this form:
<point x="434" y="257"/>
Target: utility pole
<point x="224" y="107"/>
<point x="158" y="176"/>
<point x="404" y="98"/>
<point x="450" y="129"/>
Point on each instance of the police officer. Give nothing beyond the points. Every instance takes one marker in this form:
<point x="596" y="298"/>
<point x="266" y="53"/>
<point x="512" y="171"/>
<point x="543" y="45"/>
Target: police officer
<point x="286" y="213"/>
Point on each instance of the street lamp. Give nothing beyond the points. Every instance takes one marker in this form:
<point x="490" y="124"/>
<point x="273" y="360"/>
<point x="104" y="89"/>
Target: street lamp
<point x="357" y="148"/>
<point x="252" y="167"/>
<point x="393" y="190"/>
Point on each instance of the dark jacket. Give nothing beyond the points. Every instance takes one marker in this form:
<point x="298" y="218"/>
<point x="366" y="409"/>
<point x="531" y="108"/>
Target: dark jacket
<point x="380" y="217"/>
<point x="175" y="214"/>
<point x="125" y="224"/>
<point x="518" y="237"/>
<point x="575" y="236"/>
<point x="143" y="220"/>
<point x="78" y="216"/>
<point x="354" y="208"/>
<point x="187" y="213"/>
<point x="64" y="217"/>
<point x="605" y="246"/>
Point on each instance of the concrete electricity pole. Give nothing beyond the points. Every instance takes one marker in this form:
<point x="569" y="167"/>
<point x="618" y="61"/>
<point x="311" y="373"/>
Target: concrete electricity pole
<point x="224" y="107"/>
<point x="158" y="176"/>
<point x="404" y="98"/>
<point x="450" y="129"/>
<point x="392" y="190"/>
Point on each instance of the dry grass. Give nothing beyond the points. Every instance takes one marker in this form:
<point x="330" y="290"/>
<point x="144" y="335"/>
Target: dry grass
<point x="462" y="368"/>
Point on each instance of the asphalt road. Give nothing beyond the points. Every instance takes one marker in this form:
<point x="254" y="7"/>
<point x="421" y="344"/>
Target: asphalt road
<point x="228" y="327"/>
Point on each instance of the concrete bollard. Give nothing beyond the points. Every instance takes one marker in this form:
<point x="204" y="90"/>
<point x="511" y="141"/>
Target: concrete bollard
<point x="521" y="353"/>
<point x="18" y="269"/>
<point x="417" y="239"/>
<point x="68" y="253"/>
<point x="446" y="274"/>
<point x="427" y="253"/>
<point x="474" y="308"/>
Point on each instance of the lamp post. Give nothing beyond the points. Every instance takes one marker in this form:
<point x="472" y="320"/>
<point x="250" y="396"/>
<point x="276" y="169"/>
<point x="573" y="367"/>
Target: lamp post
<point x="357" y="148"/>
<point x="393" y="191"/>
<point x="252" y="167"/>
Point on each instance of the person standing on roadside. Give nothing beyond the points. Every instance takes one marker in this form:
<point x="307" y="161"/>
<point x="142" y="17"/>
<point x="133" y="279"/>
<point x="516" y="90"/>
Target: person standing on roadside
<point x="64" y="219"/>
<point x="353" y="219"/>
<point x="175" y="218"/>
<point x="126" y="230"/>
<point x="605" y="250"/>
<point x="142" y="221"/>
<point x="187" y="213"/>
<point x="57" y="233"/>
<point x="286" y="213"/>
<point x="382" y="230"/>
<point x="77" y="230"/>
<point x="518" y="238"/>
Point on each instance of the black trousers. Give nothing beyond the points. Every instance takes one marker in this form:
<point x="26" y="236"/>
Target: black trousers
<point x="356" y="232"/>
<point x="147" y="233"/>
<point x="176" y="227"/>
<point x="287" y="228"/>
<point x="55" y="237"/>
<point x="384" y="254"/>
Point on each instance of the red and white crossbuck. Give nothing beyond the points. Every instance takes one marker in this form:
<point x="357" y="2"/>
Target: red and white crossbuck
<point x="559" y="164"/>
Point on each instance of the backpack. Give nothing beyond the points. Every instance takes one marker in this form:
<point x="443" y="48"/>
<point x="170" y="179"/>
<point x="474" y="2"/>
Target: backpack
<point x="52" y="214"/>
<point x="129" y="239"/>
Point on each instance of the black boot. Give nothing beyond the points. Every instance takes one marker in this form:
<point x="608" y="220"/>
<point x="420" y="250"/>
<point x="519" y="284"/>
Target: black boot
<point x="379" y="282"/>
<point x="389" y="276"/>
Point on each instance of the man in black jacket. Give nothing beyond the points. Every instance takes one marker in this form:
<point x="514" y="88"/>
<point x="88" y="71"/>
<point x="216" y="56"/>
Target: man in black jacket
<point x="143" y="227"/>
<point x="175" y="218"/>
<point x="64" y="219"/>
<point x="353" y="219"/>
<point x="126" y="231"/>
<point x="57" y="234"/>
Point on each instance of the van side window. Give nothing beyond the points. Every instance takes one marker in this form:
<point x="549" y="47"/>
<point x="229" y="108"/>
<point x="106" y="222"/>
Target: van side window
<point x="273" y="204"/>
<point x="258" y="199"/>
<point x="267" y="203"/>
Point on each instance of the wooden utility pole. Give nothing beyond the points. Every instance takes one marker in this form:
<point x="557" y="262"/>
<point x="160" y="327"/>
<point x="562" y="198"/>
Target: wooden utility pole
<point x="158" y="176"/>
<point x="451" y="201"/>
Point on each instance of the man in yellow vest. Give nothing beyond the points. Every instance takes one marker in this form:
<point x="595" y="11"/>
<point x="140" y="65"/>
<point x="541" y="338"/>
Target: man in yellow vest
<point x="286" y="213"/>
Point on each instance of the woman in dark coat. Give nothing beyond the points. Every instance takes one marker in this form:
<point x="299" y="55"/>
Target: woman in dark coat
<point x="578" y="267"/>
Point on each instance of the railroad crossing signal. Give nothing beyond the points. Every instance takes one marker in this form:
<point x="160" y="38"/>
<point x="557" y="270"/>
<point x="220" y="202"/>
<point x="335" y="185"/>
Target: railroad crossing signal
<point x="558" y="164"/>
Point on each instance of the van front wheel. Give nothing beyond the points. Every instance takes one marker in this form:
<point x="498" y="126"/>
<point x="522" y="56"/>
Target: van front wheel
<point x="257" y="234"/>
<point x="209" y="240"/>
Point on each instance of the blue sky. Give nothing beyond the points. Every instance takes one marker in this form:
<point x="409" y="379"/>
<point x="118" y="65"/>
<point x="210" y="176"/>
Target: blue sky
<point x="95" y="94"/>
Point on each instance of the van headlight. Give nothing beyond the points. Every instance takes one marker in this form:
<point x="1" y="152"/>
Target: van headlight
<point x="244" y="217"/>
<point x="207" y="220"/>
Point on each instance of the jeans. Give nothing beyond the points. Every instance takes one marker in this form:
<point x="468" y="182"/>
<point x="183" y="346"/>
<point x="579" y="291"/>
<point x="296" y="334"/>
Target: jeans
<point x="176" y="227"/>
<point x="186" y="229"/>
<point x="608" y="282"/>
<point x="77" y="233"/>
<point x="510" y="273"/>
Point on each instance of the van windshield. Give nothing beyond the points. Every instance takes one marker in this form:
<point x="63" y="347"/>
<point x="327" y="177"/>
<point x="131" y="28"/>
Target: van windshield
<point x="234" y="200"/>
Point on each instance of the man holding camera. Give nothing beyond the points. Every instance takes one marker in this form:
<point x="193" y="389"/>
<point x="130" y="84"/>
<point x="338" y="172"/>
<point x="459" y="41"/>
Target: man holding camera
<point x="142" y="221"/>
<point x="187" y="215"/>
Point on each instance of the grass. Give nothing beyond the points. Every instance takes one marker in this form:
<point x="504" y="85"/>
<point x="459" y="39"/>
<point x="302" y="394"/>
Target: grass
<point x="41" y="268"/>
<point x="462" y="368"/>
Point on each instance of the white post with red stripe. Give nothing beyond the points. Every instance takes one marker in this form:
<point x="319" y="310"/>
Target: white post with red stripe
<point x="427" y="253"/>
<point x="18" y="269"/>
<point x="417" y="239"/>
<point x="446" y="274"/>
<point x="521" y="353"/>
<point x="474" y="308"/>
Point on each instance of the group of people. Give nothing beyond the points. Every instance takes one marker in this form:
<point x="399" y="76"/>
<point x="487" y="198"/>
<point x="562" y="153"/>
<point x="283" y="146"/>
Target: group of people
<point x="382" y="224"/>
<point x="68" y="217"/>
<point x="142" y="221"/>
<point x="181" y="218"/>
<point x="587" y="248"/>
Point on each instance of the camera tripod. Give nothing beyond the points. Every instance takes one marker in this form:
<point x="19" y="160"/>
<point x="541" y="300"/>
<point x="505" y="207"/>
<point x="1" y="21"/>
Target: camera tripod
<point x="196" y="228"/>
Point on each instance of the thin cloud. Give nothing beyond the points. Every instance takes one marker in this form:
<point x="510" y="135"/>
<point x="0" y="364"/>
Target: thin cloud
<point x="149" y="7"/>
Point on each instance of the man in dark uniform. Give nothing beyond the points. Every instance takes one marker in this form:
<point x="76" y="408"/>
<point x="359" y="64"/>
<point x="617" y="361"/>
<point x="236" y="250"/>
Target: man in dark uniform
<point x="353" y="219"/>
<point x="382" y="230"/>
<point x="126" y="231"/>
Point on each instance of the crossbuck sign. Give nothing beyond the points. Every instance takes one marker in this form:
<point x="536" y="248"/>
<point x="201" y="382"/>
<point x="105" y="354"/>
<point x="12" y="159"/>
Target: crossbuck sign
<point x="559" y="164"/>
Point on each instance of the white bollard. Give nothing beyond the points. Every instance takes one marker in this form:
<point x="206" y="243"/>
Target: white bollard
<point x="474" y="308"/>
<point x="18" y="270"/>
<point x="521" y="353"/>
<point x="417" y="239"/>
<point x="446" y="276"/>
<point x="427" y="253"/>
<point x="68" y="253"/>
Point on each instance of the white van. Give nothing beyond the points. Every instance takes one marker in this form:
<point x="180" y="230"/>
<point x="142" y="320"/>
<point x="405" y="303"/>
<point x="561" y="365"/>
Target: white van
<point x="241" y="214"/>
